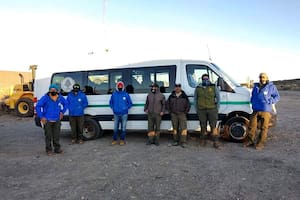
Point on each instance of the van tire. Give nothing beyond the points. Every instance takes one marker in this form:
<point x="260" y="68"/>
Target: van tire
<point x="91" y="129"/>
<point x="237" y="128"/>
<point x="24" y="107"/>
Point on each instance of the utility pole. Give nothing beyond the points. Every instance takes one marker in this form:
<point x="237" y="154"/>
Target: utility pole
<point x="104" y="25"/>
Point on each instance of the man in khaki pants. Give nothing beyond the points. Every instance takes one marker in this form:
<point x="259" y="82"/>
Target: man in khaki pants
<point x="155" y="108"/>
<point x="264" y="96"/>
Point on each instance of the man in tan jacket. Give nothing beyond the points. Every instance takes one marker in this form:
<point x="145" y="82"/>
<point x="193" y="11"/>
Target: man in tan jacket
<point x="155" y="108"/>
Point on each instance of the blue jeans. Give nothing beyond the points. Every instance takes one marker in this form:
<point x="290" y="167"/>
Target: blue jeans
<point x="120" y="119"/>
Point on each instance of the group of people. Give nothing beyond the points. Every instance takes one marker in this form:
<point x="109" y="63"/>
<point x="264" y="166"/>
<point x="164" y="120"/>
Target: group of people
<point x="51" y="107"/>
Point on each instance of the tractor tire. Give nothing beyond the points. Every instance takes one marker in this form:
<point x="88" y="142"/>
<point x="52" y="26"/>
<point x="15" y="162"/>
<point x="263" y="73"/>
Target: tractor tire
<point x="24" y="107"/>
<point x="91" y="129"/>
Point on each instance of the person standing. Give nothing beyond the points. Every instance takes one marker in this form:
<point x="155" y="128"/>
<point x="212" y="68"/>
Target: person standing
<point x="50" y="109"/>
<point x="77" y="102"/>
<point x="155" y="108"/>
<point x="264" y="96"/>
<point x="178" y="105"/>
<point x="120" y="102"/>
<point x="206" y="102"/>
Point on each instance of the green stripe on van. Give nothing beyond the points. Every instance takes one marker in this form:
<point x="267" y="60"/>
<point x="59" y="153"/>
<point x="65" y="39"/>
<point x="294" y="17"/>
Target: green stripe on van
<point x="107" y="105"/>
<point x="234" y="102"/>
<point x="142" y="104"/>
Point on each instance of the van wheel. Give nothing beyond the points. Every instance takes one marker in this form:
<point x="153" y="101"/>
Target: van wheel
<point x="91" y="129"/>
<point x="237" y="128"/>
<point x="24" y="107"/>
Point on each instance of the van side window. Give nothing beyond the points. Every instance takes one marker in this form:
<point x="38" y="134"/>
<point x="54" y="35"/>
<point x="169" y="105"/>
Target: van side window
<point x="65" y="81"/>
<point x="98" y="82"/>
<point x="195" y="72"/>
<point x="143" y="77"/>
<point x="140" y="80"/>
<point x="114" y="78"/>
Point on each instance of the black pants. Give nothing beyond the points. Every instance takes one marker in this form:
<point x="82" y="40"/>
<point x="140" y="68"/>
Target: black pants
<point x="76" y="123"/>
<point x="52" y="132"/>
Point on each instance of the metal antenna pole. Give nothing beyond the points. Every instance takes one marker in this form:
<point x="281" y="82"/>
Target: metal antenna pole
<point x="209" y="56"/>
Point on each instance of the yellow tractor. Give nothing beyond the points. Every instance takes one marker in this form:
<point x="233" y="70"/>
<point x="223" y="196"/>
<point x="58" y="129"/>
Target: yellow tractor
<point x="21" y="99"/>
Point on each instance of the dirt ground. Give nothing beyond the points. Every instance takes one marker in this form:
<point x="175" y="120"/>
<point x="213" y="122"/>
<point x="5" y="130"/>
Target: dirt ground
<point x="96" y="170"/>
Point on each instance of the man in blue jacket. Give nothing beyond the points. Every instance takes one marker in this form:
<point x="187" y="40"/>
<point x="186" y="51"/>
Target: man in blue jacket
<point x="77" y="102"/>
<point x="264" y="96"/>
<point x="50" y="108"/>
<point x="120" y="102"/>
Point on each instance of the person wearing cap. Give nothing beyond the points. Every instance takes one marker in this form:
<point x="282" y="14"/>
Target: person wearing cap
<point x="178" y="105"/>
<point x="120" y="102"/>
<point x="206" y="104"/>
<point x="264" y="96"/>
<point x="50" y="109"/>
<point x="155" y="108"/>
<point x="77" y="102"/>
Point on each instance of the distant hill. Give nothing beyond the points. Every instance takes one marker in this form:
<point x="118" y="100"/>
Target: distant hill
<point x="292" y="84"/>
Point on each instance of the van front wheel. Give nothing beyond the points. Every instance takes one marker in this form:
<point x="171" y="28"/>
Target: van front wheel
<point x="91" y="129"/>
<point x="237" y="128"/>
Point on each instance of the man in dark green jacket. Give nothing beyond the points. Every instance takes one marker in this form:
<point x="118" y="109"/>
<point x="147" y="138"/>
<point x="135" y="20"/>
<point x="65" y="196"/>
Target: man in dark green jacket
<point x="206" y="102"/>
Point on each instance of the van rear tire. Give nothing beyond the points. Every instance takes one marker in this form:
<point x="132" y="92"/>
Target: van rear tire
<point x="91" y="129"/>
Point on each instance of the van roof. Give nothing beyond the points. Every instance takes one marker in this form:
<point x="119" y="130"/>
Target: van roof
<point x="149" y="63"/>
<point x="163" y="62"/>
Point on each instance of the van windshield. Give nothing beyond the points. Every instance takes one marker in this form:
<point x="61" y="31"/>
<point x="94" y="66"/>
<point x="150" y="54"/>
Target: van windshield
<point x="226" y="77"/>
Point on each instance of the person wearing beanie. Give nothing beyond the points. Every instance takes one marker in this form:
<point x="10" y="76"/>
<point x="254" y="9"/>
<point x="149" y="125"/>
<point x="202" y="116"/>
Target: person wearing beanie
<point x="120" y="102"/>
<point x="264" y="96"/>
<point x="77" y="102"/>
<point x="50" y="109"/>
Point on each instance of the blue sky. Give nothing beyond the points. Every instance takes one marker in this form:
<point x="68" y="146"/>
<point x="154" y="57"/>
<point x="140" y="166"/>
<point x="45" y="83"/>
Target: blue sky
<point x="254" y="24"/>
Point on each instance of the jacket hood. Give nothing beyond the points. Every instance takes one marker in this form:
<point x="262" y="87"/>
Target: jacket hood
<point x="120" y="83"/>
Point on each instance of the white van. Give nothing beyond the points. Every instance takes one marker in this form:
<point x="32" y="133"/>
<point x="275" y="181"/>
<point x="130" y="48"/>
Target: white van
<point x="98" y="84"/>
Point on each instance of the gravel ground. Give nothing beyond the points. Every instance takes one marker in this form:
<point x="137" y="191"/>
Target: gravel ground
<point x="96" y="170"/>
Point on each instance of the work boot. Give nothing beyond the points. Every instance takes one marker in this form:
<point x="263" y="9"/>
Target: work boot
<point x="248" y="142"/>
<point x="156" y="138"/>
<point x="183" y="141"/>
<point x="114" y="142"/>
<point x="175" y="139"/>
<point x="80" y="141"/>
<point x="122" y="142"/>
<point x="175" y="143"/>
<point x="259" y="146"/>
<point x="156" y="141"/>
<point x="202" y="140"/>
<point x="216" y="143"/>
<point x="58" y="151"/>
<point x="150" y="140"/>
